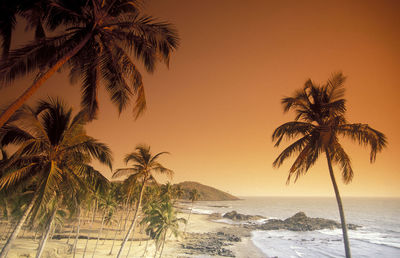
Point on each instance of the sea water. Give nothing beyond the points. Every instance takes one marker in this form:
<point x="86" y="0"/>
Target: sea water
<point x="379" y="218"/>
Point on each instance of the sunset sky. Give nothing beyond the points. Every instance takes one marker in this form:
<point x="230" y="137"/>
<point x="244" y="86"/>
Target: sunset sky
<point x="217" y="105"/>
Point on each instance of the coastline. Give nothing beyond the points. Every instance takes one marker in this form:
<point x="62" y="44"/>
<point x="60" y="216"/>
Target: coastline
<point x="199" y="226"/>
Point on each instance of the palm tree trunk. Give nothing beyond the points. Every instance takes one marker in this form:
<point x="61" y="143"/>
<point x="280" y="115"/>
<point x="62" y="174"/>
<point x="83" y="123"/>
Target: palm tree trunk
<point x="14" y="234"/>
<point x="145" y="248"/>
<point x="70" y="233"/>
<point x="100" y="231"/>
<point x="340" y="205"/>
<point x="187" y="222"/>
<point x="130" y="245"/>
<point x="94" y="211"/>
<point x="164" y="238"/>
<point x="77" y="232"/>
<point x="115" y="235"/>
<point x="39" y="81"/>
<point x="132" y="226"/>
<point x="46" y="234"/>
<point x="107" y="230"/>
<point x="128" y="210"/>
<point x="8" y="213"/>
<point x="87" y="241"/>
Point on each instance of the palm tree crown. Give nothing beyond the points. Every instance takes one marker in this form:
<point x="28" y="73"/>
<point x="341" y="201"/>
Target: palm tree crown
<point x="96" y="41"/>
<point x="318" y="124"/>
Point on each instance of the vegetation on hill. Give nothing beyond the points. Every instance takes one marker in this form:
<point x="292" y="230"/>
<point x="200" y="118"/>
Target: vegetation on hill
<point x="207" y="193"/>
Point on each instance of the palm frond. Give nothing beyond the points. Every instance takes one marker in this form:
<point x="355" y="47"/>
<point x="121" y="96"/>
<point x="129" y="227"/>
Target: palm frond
<point x="364" y="135"/>
<point x="124" y="171"/>
<point x="16" y="175"/>
<point x="292" y="149"/>
<point x="340" y="157"/>
<point x="291" y="130"/>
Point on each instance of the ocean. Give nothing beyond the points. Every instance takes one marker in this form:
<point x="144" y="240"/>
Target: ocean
<point x="379" y="218"/>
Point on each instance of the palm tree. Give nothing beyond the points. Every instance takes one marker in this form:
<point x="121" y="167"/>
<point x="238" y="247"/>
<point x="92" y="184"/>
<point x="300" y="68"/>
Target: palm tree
<point x="193" y="196"/>
<point x="178" y="191"/>
<point x="98" y="37"/>
<point x="161" y="218"/>
<point x="53" y="151"/>
<point x="318" y="124"/>
<point x="144" y="165"/>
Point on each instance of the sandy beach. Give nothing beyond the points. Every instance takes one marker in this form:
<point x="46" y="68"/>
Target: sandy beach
<point x="199" y="229"/>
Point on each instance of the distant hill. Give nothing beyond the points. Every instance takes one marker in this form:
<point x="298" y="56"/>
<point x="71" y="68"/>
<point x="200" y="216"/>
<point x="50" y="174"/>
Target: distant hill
<point x="207" y="193"/>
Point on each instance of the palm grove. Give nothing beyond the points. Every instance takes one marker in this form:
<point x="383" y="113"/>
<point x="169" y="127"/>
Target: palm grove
<point x="48" y="183"/>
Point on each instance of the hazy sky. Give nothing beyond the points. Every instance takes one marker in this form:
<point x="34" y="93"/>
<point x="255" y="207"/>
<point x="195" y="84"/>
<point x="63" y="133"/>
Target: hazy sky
<point x="217" y="105"/>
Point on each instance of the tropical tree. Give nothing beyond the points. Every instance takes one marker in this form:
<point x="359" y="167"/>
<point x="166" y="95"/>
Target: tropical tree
<point x="160" y="218"/>
<point x="52" y="155"/>
<point x="319" y="122"/>
<point x="144" y="165"/>
<point x="95" y="41"/>
<point x="193" y="196"/>
<point x="178" y="191"/>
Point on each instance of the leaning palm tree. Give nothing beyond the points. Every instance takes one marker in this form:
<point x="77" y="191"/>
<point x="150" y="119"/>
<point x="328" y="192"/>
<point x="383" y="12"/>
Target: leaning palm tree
<point x="53" y="148"/>
<point x="95" y="42"/>
<point x="144" y="165"/>
<point x="318" y="124"/>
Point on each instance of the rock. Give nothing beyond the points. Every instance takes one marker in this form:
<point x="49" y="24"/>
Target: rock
<point x="300" y="222"/>
<point x="209" y="244"/>
<point x="233" y="215"/>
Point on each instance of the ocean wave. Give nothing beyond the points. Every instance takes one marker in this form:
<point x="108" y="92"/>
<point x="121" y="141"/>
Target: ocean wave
<point x="366" y="236"/>
<point x="232" y="222"/>
<point x="202" y="211"/>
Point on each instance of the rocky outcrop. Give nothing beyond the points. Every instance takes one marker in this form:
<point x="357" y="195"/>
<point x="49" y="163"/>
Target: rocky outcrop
<point x="209" y="244"/>
<point x="233" y="215"/>
<point x="300" y="222"/>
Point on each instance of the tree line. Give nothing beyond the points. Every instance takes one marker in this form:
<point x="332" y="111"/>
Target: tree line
<point x="100" y="43"/>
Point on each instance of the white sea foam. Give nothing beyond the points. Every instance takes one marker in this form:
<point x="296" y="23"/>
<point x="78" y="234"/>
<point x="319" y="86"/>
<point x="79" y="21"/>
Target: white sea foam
<point x="201" y="211"/>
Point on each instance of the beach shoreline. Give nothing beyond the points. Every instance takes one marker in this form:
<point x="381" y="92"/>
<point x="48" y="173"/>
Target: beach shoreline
<point x="200" y="226"/>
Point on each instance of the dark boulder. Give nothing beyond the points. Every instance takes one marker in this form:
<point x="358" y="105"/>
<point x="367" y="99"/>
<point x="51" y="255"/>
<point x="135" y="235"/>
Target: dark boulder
<point x="233" y="215"/>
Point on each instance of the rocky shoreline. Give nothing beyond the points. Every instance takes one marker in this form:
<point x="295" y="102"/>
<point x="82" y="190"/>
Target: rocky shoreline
<point x="219" y="243"/>
<point x="209" y="244"/>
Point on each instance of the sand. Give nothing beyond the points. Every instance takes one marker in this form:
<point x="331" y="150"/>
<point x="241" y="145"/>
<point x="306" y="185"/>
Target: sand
<point x="26" y="247"/>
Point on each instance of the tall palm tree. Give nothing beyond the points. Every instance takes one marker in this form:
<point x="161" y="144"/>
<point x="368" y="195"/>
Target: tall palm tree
<point x="53" y="152"/>
<point x="144" y="165"/>
<point x="96" y="46"/>
<point x="193" y="196"/>
<point x="318" y="124"/>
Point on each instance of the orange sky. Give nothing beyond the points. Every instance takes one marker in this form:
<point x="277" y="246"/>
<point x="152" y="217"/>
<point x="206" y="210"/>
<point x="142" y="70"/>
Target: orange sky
<point x="217" y="106"/>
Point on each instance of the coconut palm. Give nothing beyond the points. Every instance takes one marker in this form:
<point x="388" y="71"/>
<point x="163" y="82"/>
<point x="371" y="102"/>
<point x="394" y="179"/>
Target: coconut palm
<point x="144" y="165"/>
<point x="96" y="44"/>
<point x="318" y="124"/>
<point x="193" y="196"/>
<point x="160" y="218"/>
<point x="53" y="148"/>
<point x="178" y="191"/>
